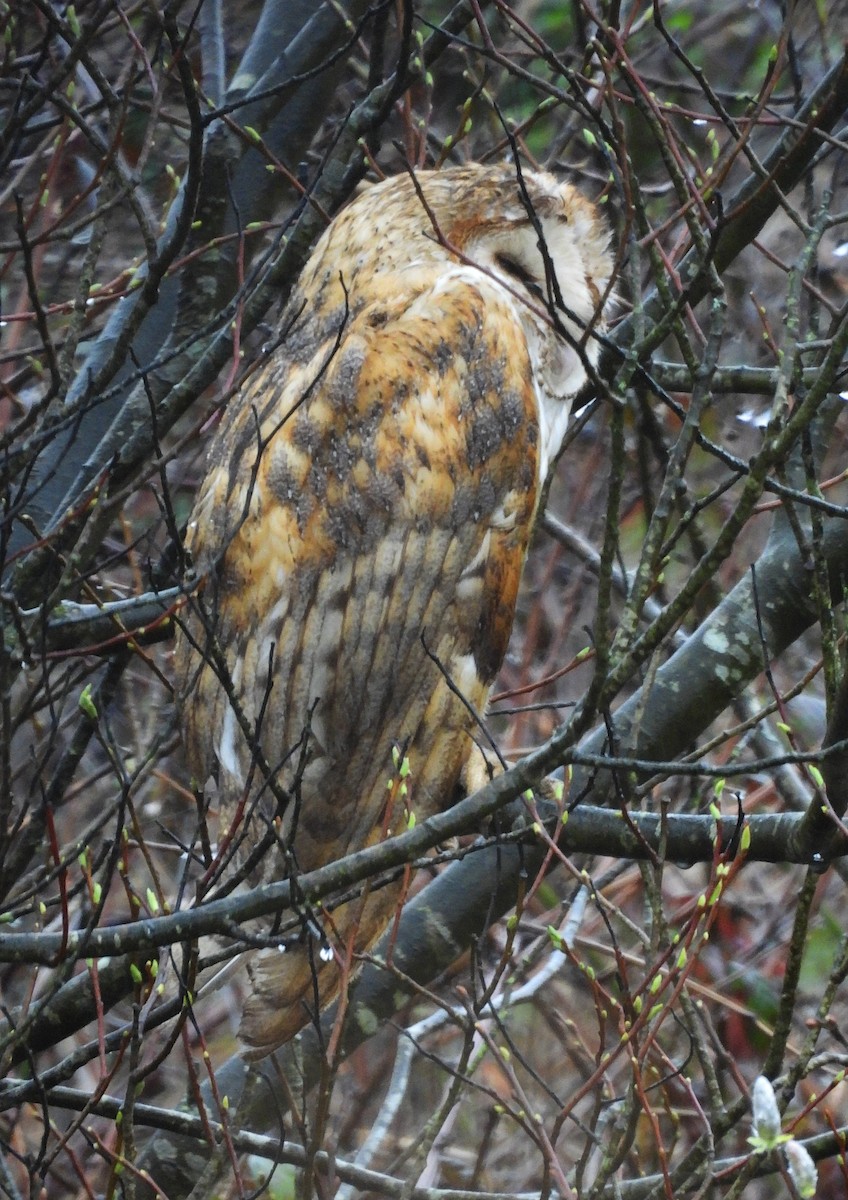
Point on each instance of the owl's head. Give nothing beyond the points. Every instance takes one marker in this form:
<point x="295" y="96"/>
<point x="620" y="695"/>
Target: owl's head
<point x="538" y="238"/>
<point x="545" y="242"/>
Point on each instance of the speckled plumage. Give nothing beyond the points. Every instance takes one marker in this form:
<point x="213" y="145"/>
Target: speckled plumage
<point x="369" y="498"/>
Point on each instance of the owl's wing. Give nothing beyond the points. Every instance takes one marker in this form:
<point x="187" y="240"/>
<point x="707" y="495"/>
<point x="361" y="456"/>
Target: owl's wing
<point x="364" y="526"/>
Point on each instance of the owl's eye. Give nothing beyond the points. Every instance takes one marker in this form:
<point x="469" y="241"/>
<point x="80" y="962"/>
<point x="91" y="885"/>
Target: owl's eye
<point x="511" y="266"/>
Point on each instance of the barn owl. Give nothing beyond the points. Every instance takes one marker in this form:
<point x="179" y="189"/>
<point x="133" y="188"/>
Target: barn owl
<point x="361" y="529"/>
